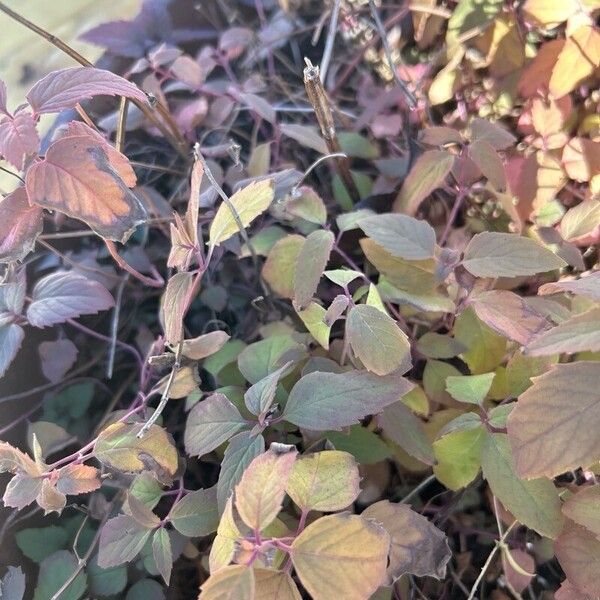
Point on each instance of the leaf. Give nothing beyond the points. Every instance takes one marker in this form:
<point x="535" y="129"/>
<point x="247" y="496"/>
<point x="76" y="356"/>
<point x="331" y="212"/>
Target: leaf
<point x="235" y="581"/>
<point x="146" y="489"/>
<point x="226" y="542"/>
<point x="121" y="540"/>
<point x="581" y="224"/>
<point x="162" y="553"/>
<point x="260" y="492"/>
<point x="105" y="582"/>
<point x="12" y="585"/>
<point x="36" y="543"/>
<point x="20" y="225"/>
<point x="78" y="479"/>
<point x="492" y="254"/>
<point x="310" y="264"/>
<point x="550" y="14"/>
<point x="204" y="345"/>
<point x="417" y="546"/>
<point x="582" y="507"/>
<point x="509" y="315"/>
<point x="249" y="202"/>
<point x="403" y="428"/>
<point x="578" y="552"/>
<point x="260" y="396"/>
<point x="578" y="59"/>
<point x="489" y="162"/>
<point x="142" y="514"/>
<point x="436" y="345"/>
<point x="554" y="427"/>
<point x="66" y="88"/>
<point x="314" y="317"/>
<point x="262" y="358"/>
<point x="578" y="334"/>
<point x="146" y="589"/>
<point x="458" y="456"/>
<point x="470" y="388"/>
<point x="85" y="178"/>
<point x="308" y="206"/>
<point x="342" y="277"/>
<point x="57" y="358"/>
<point x="341" y="556"/>
<point x="174" y="305"/>
<point x="54" y="572"/>
<point x="305" y="135"/>
<point x="535" y="503"/>
<point x="536" y="76"/>
<point x="274" y="585"/>
<point x="377" y="340"/>
<point x="11" y="338"/>
<point x="118" y="447"/>
<point x="242" y="450"/>
<point x="494" y="134"/>
<point x="22" y="490"/>
<point x="322" y="401"/>
<point x="401" y="235"/>
<point x="211" y="423"/>
<point x="427" y="174"/>
<point x="517" y="564"/>
<point x="366" y="447"/>
<point x="66" y="295"/>
<point x="325" y="481"/>
<point x="185" y="382"/>
<point x="18" y="137"/>
<point x="196" y="514"/>
<point x="278" y="270"/>
<point x="588" y="286"/>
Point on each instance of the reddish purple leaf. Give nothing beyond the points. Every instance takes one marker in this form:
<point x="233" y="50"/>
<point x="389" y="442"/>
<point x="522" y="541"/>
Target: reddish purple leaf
<point x="20" y="224"/>
<point x="18" y="137"/>
<point x="66" y="295"/>
<point x="66" y="88"/>
<point x="87" y="179"/>
<point x="57" y="358"/>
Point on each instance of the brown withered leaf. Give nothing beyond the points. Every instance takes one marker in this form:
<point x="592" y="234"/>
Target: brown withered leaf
<point x="87" y="179"/>
<point x="417" y="546"/>
<point x="204" y="345"/>
<point x="174" y="304"/>
<point x="20" y="225"/>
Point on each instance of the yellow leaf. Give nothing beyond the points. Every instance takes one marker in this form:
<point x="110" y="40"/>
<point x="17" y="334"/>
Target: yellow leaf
<point x="550" y="13"/>
<point x="579" y="58"/>
<point x="582" y="222"/>
<point x="341" y="556"/>
<point x="234" y="582"/>
<point x="260" y="492"/>
<point x="503" y="48"/>
<point x="274" y="585"/>
<point x="278" y="270"/>
<point x="225" y="543"/>
<point x="324" y="481"/>
<point x="249" y="203"/>
<point x="312" y="317"/>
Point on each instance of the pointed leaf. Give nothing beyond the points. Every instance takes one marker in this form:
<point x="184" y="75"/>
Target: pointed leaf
<point x="235" y="581"/>
<point x="20" y="225"/>
<point x="18" y="137"/>
<point x="121" y="540"/>
<point x="310" y="264"/>
<point x="274" y="585"/>
<point x="584" y="508"/>
<point x="196" y="513"/>
<point x="162" y="553"/>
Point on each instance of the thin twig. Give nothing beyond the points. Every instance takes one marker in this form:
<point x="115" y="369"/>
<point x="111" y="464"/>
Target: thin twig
<point x="330" y="39"/>
<point x="410" y="97"/>
<point x="13" y="174"/>
<point x="120" y="135"/>
<point x="114" y="327"/>
<point x="420" y="487"/>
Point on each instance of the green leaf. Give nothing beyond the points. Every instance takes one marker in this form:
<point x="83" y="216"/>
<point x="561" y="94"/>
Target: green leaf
<point x="146" y="489"/>
<point x="492" y="254"/>
<point x="458" y="456"/>
<point x="325" y="481"/>
<point x="310" y="264"/>
<point x="228" y="354"/>
<point x="579" y="334"/>
<point x="470" y="388"/>
<point x="469" y="14"/>
<point x="243" y="448"/>
<point x="554" y="427"/>
<point x="434" y="381"/>
<point x="406" y="430"/>
<point x="278" y="270"/>
<point x="436" y="345"/>
<point x="366" y="447"/>
<point x="342" y="277"/>
<point x="401" y="235"/>
<point x="260" y="492"/>
<point x="146" y="589"/>
<point x="357" y="145"/>
<point x="308" y="206"/>
<point x="427" y="174"/>
<point x="321" y="401"/>
<point x="235" y="581"/>
<point x="196" y="514"/>
<point x="39" y="543"/>
<point x="106" y="582"/>
<point x="121" y="540"/>
<point x="377" y="340"/>
<point x="248" y="203"/>
<point x="163" y="554"/>
<point x="535" y="503"/>
<point x="55" y="570"/>
<point x="260" y="396"/>
<point x="313" y="317"/>
<point x="210" y="423"/>
<point x="262" y="358"/>
<point x="417" y="546"/>
<point x="341" y="556"/>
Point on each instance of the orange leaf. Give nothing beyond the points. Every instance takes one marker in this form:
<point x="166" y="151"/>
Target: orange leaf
<point x="87" y="179"/>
